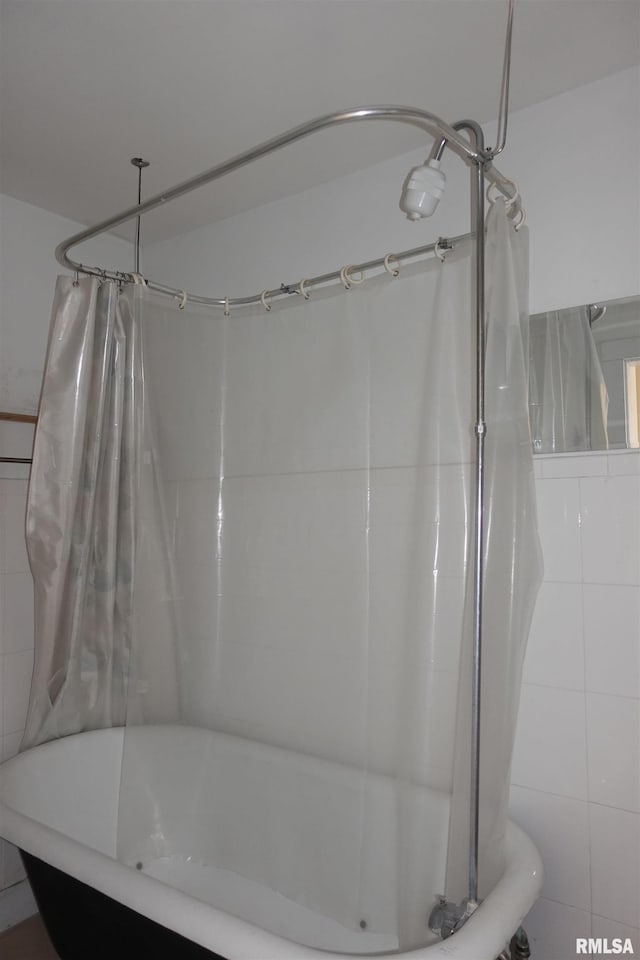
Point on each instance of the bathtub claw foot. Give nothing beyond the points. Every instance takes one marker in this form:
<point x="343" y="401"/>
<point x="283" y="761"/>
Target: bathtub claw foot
<point x="519" y="947"/>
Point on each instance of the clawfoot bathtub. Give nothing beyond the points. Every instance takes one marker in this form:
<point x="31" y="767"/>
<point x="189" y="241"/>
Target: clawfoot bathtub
<point x="59" y="804"/>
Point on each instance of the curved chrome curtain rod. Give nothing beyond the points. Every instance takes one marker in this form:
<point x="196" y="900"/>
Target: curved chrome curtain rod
<point x="410" y="115"/>
<point x="444" y="244"/>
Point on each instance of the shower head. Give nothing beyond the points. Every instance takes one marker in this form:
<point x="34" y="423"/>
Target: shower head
<point x="422" y="190"/>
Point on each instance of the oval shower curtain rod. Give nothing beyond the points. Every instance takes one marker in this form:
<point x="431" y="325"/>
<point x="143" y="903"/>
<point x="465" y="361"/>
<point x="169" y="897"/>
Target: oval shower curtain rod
<point x="446" y="134"/>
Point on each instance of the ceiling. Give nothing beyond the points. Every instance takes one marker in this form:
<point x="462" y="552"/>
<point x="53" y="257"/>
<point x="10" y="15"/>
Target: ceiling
<point x="88" y="84"/>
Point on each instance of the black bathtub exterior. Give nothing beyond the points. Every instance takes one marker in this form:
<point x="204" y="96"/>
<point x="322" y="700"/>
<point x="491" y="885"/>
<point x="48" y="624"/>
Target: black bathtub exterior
<point x="76" y="916"/>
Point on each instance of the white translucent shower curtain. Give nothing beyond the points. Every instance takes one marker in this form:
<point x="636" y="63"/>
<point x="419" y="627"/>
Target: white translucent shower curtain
<point x="315" y="465"/>
<point x="261" y="525"/>
<point x="88" y="493"/>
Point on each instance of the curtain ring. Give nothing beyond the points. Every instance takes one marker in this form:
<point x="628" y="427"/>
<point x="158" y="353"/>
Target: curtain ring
<point x="394" y="271"/>
<point x="509" y="202"/>
<point x="348" y="280"/>
<point x="263" y="300"/>
<point x="302" y="290"/>
<point x="76" y="279"/>
<point x="139" y="279"/>
<point x="440" y="254"/>
<point x="183" y="300"/>
<point x="523" y="218"/>
<point x="226" y="307"/>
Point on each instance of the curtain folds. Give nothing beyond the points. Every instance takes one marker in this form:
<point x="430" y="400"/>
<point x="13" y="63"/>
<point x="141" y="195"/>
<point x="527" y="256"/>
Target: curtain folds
<point x="89" y="488"/>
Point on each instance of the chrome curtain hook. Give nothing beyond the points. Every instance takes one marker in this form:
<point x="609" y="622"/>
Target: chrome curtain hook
<point x="226" y="307"/>
<point x="263" y="300"/>
<point x="509" y="202"/>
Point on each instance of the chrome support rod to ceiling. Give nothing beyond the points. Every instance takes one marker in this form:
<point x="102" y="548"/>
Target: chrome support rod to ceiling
<point x="426" y="121"/>
<point x="503" y="109"/>
<point x="140" y="163"/>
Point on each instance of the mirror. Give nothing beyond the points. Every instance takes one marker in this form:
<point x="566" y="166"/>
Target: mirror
<point x="584" y="377"/>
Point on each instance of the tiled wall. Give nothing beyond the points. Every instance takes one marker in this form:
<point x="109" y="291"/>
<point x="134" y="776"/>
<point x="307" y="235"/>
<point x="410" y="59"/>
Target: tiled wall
<point x="16" y="640"/>
<point x="576" y="770"/>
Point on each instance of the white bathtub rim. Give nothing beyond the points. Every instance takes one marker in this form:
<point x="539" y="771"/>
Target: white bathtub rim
<point x="482" y="937"/>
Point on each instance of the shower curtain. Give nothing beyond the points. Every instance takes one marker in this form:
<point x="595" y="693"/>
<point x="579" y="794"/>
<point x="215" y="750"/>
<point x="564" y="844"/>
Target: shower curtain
<point x="303" y="582"/>
<point x="90" y="492"/>
<point x="81" y="514"/>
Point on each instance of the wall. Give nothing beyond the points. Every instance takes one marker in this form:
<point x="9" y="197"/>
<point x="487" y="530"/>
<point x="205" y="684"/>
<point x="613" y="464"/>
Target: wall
<point x="27" y="277"/>
<point x="576" y="770"/>
<point x="576" y="775"/>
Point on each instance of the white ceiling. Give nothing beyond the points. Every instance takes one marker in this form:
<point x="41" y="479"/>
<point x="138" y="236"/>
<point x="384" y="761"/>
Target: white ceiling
<point x="87" y="84"/>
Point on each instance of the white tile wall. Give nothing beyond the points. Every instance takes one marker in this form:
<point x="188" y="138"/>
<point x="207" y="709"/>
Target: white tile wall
<point x="16" y="641"/>
<point x="611" y="529"/>
<point x="553" y="927"/>
<point x="576" y="770"/>
<point x="555" y="652"/>
<point x="551" y="743"/>
<point x="613" y="733"/>
<point x="559" y="525"/>
<point x="611" y="631"/>
<point x="602" y="927"/>
<point x="615" y="864"/>
<point x="559" y="827"/>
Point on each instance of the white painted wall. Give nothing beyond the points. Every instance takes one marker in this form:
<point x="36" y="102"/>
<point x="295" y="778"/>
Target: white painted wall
<point x="28" y="272"/>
